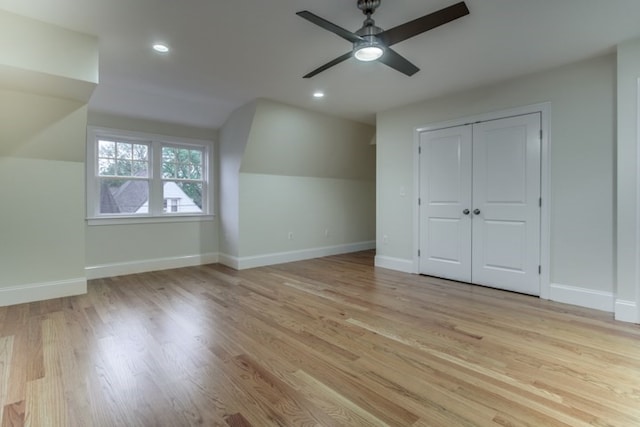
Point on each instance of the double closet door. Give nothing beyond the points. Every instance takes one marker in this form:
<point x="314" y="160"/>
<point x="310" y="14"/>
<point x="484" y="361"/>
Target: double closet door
<point x="480" y="203"/>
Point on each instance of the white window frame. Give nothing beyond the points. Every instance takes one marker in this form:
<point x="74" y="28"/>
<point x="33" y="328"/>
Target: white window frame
<point x="156" y="213"/>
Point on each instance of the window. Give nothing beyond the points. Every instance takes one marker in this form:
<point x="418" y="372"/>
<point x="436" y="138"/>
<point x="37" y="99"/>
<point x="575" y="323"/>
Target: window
<point x="134" y="175"/>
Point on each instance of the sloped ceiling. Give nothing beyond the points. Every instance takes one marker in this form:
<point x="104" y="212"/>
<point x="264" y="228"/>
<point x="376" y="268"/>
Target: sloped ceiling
<point x="226" y="53"/>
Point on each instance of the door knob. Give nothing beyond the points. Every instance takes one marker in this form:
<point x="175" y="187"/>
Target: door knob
<point x="466" y="211"/>
<point x="476" y="211"/>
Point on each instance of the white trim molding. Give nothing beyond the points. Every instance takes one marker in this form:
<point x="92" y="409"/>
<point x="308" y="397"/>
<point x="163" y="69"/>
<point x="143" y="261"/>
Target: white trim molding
<point x="242" y="263"/>
<point x="627" y="311"/>
<point x="143" y="266"/>
<point x="397" y="264"/>
<point x="229" y="261"/>
<point x="583" y="297"/>
<point x="42" y="291"/>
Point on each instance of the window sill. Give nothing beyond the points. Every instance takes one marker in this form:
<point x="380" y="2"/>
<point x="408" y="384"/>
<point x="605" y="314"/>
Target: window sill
<point x="125" y="220"/>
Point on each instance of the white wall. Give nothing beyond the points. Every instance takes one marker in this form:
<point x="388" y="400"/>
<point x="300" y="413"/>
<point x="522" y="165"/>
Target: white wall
<point x="288" y="170"/>
<point x="320" y="212"/>
<point x="628" y="243"/>
<point x="43" y="58"/>
<point x="47" y="75"/>
<point x="582" y="98"/>
<point x="116" y="249"/>
<point x="234" y="137"/>
<point x="41" y="197"/>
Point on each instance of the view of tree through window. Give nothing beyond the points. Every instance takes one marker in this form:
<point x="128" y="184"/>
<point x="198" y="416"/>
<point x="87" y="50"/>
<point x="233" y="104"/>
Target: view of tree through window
<point x="144" y="175"/>
<point x="184" y="167"/>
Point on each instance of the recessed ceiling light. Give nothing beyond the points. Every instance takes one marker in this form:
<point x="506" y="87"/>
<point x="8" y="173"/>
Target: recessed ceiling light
<point x="318" y="94"/>
<point x="161" y="48"/>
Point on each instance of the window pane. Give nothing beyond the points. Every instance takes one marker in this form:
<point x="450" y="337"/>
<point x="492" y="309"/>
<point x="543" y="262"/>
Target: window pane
<point x="196" y="157"/>
<point x="182" y="155"/>
<point x="196" y="172"/>
<point x="168" y="154"/>
<point x="140" y="169"/>
<point x="121" y="196"/>
<point x="123" y="168"/>
<point x="182" y="163"/>
<point x="124" y="150"/>
<point x="107" y="149"/>
<point x="106" y="167"/>
<point x="140" y="152"/>
<point x="182" y="171"/>
<point x="188" y="196"/>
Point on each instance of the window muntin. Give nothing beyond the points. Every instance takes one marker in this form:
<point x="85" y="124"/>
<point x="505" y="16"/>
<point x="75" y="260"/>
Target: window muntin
<point x="137" y="175"/>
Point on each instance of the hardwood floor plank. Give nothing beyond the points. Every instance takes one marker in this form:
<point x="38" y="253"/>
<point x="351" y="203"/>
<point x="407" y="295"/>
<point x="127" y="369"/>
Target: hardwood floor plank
<point x="6" y="353"/>
<point x="13" y="415"/>
<point x="324" y="342"/>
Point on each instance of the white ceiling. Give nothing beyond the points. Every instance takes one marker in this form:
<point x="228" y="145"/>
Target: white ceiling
<point x="227" y="52"/>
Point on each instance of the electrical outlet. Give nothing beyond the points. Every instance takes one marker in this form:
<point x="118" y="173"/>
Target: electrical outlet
<point x="326" y="232"/>
<point x="290" y="235"/>
<point x="385" y="238"/>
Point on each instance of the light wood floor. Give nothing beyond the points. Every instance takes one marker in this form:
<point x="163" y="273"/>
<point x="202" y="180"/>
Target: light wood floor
<point x="324" y="342"/>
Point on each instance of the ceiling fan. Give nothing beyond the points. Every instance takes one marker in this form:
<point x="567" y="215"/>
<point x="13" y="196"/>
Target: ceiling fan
<point x="372" y="43"/>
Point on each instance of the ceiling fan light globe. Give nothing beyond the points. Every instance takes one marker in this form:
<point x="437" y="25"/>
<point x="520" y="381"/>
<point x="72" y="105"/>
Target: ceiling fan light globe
<point x="368" y="53"/>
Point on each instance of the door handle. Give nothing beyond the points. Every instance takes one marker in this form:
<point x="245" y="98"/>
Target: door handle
<point x="466" y="211"/>
<point x="476" y="211"/>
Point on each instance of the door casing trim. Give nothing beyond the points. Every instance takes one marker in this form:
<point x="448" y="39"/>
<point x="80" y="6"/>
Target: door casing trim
<point x="545" y="180"/>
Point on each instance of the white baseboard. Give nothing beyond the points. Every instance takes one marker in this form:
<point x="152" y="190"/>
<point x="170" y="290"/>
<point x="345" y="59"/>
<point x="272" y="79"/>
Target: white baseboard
<point x="42" y="291"/>
<point x="243" y="263"/>
<point x="398" y="264"/>
<point x="627" y="311"/>
<point x="135" y="267"/>
<point x="229" y="261"/>
<point x="589" y="298"/>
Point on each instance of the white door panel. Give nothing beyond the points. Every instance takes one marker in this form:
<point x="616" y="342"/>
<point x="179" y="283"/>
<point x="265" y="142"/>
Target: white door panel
<point x="492" y="168"/>
<point x="506" y="191"/>
<point x="444" y="194"/>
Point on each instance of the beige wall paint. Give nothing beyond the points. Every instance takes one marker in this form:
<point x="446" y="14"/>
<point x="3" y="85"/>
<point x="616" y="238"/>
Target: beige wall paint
<point x="582" y="98"/>
<point x="628" y="250"/>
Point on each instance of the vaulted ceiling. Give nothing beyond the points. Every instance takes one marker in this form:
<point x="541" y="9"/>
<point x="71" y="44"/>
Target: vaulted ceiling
<point x="225" y="53"/>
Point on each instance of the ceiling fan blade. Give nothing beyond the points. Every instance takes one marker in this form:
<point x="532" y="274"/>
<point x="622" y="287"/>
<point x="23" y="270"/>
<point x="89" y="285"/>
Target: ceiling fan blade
<point x="328" y="65"/>
<point x="321" y="22"/>
<point x="397" y="62"/>
<point x="420" y="25"/>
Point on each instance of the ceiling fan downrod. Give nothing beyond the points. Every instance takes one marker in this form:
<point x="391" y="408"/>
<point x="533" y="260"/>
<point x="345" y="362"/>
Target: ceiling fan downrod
<point x="369" y="28"/>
